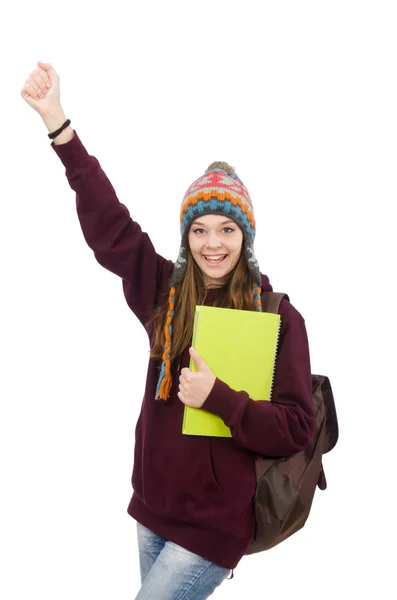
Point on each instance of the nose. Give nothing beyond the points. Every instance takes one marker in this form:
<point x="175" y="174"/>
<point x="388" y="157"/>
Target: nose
<point x="213" y="240"/>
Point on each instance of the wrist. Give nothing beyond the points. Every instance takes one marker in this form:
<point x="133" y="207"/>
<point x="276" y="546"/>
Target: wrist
<point x="54" y="120"/>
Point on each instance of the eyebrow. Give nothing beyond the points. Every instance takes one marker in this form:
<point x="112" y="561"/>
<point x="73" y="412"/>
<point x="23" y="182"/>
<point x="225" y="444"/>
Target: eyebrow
<point x="223" y="222"/>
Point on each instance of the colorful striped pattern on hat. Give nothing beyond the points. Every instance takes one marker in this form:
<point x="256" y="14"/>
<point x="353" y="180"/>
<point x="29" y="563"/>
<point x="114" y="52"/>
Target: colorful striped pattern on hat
<point x="217" y="192"/>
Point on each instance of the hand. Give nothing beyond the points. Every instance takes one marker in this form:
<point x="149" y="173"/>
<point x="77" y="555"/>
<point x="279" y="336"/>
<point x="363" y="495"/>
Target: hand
<point x="194" y="388"/>
<point x="42" y="89"/>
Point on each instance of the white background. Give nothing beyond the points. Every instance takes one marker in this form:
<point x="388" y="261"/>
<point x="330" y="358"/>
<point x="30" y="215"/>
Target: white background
<point x="300" y="97"/>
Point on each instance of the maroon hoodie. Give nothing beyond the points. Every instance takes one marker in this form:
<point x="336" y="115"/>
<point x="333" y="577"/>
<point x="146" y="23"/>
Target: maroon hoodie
<point x="195" y="491"/>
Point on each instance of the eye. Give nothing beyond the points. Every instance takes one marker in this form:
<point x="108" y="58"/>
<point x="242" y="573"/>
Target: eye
<point x="230" y="229"/>
<point x="197" y="230"/>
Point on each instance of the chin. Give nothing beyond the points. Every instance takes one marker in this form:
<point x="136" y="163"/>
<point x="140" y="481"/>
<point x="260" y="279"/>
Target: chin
<point x="220" y="275"/>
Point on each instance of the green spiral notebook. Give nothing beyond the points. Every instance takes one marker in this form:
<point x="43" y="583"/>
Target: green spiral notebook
<point x="240" y="347"/>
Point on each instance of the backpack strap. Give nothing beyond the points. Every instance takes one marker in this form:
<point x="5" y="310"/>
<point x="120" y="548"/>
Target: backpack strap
<point x="320" y="385"/>
<point x="271" y="301"/>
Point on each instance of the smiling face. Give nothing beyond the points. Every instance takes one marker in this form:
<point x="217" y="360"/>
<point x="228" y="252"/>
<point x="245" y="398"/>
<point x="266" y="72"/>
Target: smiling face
<point x="215" y="243"/>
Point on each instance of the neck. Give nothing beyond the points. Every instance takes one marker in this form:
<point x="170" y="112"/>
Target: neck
<point x="214" y="285"/>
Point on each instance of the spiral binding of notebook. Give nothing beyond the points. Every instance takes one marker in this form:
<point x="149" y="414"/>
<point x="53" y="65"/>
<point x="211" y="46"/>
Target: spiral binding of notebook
<point x="275" y="360"/>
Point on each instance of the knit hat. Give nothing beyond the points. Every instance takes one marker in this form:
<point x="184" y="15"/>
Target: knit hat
<point x="219" y="192"/>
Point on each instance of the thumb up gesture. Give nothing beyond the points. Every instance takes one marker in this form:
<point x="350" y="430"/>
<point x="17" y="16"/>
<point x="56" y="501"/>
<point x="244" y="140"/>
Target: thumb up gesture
<point x="42" y="89"/>
<point x="194" y="388"/>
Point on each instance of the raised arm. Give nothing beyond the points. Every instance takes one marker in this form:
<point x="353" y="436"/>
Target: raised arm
<point x="117" y="241"/>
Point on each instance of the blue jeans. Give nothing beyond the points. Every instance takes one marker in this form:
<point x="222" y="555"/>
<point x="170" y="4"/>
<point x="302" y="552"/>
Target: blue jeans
<point x="169" y="572"/>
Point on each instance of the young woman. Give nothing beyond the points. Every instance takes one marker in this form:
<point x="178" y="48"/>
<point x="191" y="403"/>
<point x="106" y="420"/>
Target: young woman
<point x="192" y="496"/>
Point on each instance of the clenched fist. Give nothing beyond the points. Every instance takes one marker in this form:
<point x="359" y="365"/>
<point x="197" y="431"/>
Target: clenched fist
<point x="42" y="89"/>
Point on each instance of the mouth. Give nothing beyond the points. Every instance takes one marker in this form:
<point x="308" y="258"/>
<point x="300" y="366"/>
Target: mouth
<point x="215" y="259"/>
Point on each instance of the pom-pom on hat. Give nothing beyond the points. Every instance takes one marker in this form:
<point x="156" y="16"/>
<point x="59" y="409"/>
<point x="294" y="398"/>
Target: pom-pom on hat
<point x="219" y="192"/>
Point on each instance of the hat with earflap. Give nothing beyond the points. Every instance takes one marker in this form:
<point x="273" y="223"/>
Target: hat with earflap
<point x="218" y="192"/>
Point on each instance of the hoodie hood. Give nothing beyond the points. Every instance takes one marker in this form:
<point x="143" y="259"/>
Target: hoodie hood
<point x="266" y="286"/>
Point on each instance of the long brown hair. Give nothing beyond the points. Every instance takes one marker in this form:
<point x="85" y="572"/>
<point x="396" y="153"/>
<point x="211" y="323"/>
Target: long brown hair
<point x="191" y="291"/>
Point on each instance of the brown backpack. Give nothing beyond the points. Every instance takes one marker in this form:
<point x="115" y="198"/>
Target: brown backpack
<point x="285" y="486"/>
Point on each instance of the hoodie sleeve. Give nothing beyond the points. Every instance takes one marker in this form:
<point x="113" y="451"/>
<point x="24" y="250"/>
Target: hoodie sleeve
<point x="284" y="425"/>
<point x="117" y="241"/>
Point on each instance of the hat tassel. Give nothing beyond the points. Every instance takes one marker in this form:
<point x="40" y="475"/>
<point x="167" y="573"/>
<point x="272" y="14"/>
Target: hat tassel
<point x="258" y="301"/>
<point x="165" y="380"/>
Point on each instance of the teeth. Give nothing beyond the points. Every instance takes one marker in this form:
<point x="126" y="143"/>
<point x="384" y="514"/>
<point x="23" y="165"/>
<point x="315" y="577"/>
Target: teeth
<point x="215" y="258"/>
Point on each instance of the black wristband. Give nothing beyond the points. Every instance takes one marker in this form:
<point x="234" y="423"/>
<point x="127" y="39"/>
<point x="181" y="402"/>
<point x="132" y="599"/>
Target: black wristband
<point x="58" y="131"/>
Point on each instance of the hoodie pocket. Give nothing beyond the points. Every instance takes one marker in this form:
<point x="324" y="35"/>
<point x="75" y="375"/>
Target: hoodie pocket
<point x="182" y="482"/>
<point x="212" y="462"/>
